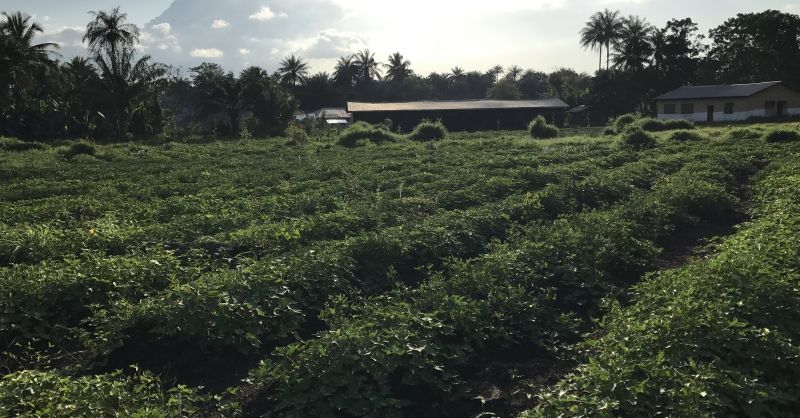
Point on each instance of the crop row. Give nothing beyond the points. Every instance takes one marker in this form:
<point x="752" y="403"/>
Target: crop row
<point x="717" y="337"/>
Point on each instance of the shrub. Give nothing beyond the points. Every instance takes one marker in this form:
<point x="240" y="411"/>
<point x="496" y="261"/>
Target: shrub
<point x="622" y="122"/>
<point x="428" y="131"/>
<point x="80" y="148"/>
<point x="609" y="131"/>
<point x="540" y="129"/>
<point x="297" y="135"/>
<point x="743" y="133"/>
<point x="684" y="135"/>
<point x="653" y="125"/>
<point x="11" y="144"/>
<point x="782" y="135"/>
<point x="364" y="131"/>
<point x="675" y="124"/>
<point x="636" y="137"/>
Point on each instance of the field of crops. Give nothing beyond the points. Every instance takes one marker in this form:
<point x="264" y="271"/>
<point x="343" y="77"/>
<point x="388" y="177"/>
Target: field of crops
<point x="487" y="274"/>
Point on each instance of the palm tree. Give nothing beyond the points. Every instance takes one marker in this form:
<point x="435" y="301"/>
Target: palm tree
<point x="108" y="31"/>
<point x="513" y="73"/>
<point x="611" y="27"/>
<point x="658" y="39"/>
<point x="19" y="55"/>
<point x="592" y="36"/>
<point x="495" y="72"/>
<point x="293" y="71"/>
<point x="456" y="74"/>
<point x="367" y="66"/>
<point x="398" y="68"/>
<point x="633" y="49"/>
<point x="346" y="72"/>
<point x="127" y="81"/>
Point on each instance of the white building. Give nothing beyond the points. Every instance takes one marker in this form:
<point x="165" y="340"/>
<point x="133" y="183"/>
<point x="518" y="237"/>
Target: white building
<point x="736" y="102"/>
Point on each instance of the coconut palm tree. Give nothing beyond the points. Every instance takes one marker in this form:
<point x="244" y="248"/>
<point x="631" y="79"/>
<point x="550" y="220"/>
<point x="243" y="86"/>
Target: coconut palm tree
<point x="593" y="36"/>
<point x="293" y="71"/>
<point x="658" y="39"/>
<point x="495" y="72"/>
<point x="456" y="74"/>
<point x="367" y="66"/>
<point x="345" y="72"/>
<point x="127" y="81"/>
<point x="398" y="68"/>
<point x="611" y="28"/>
<point x="633" y="49"/>
<point x="513" y="73"/>
<point x="109" y="32"/>
<point x="19" y="54"/>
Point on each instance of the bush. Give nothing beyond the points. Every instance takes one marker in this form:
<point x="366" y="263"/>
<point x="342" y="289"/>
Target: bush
<point x="684" y="135"/>
<point x="11" y="144"/>
<point x="622" y="122"/>
<point x="782" y="135"/>
<point x="80" y="148"/>
<point x="653" y="125"/>
<point x="297" y="135"/>
<point x="743" y="134"/>
<point x="364" y="131"/>
<point x="675" y="124"/>
<point x="428" y="131"/>
<point x="637" y="138"/>
<point x="609" y="131"/>
<point x="540" y="129"/>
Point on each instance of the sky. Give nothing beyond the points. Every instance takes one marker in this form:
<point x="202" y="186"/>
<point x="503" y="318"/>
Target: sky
<point x="435" y="35"/>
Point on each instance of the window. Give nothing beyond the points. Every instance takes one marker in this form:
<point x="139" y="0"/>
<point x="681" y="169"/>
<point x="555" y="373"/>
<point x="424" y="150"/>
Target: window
<point x="669" y="109"/>
<point x="687" y="108"/>
<point x="728" y="108"/>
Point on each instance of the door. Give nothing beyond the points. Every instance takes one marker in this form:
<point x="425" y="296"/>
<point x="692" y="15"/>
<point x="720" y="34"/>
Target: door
<point x="780" y="109"/>
<point x="710" y="117"/>
<point x="769" y="109"/>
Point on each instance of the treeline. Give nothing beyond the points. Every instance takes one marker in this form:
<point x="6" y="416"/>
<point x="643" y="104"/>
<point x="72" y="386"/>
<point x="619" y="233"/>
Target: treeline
<point x="115" y="94"/>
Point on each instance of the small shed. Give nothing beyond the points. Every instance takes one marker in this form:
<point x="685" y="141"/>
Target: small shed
<point x="735" y="102"/>
<point x="461" y="115"/>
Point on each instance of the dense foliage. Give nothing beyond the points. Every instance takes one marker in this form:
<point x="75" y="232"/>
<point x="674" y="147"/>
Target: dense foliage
<point x="406" y="279"/>
<point x="540" y="129"/>
<point x="115" y="93"/>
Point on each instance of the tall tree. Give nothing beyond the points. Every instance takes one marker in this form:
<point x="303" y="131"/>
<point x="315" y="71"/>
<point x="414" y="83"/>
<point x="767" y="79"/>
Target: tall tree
<point x="109" y="32"/>
<point x="20" y="56"/>
<point x="456" y="74"/>
<point x="593" y="36"/>
<point x="398" y="68"/>
<point x="513" y="73"/>
<point x="756" y="47"/>
<point x="633" y="49"/>
<point x="293" y="71"/>
<point x="368" y="67"/>
<point x="346" y="72"/>
<point x="611" y="26"/>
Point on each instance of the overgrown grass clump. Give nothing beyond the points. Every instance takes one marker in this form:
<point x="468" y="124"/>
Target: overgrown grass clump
<point x="740" y="134"/>
<point x="80" y="148"/>
<point x="686" y="135"/>
<point x="782" y="135"/>
<point x="637" y="138"/>
<point x="11" y="144"/>
<point x="362" y="131"/>
<point x="428" y="131"/>
<point x="540" y="129"/>
<point x="623" y="121"/>
<point x="658" y="125"/>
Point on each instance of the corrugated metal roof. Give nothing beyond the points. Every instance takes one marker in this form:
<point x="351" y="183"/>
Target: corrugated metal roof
<point x="713" y="92"/>
<point x="456" y="105"/>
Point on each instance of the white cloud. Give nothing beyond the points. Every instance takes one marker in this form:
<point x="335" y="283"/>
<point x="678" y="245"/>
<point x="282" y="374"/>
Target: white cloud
<point x="160" y="37"/>
<point x="329" y="43"/>
<point x="207" y="53"/>
<point x="244" y="51"/>
<point x="263" y="15"/>
<point x="220" y="24"/>
<point x="792" y="8"/>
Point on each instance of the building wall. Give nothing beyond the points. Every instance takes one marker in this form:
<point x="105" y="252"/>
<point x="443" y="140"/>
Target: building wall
<point x="743" y="108"/>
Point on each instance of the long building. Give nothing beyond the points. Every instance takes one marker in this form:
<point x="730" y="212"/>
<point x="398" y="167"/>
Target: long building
<point x="735" y="102"/>
<point x="461" y="115"/>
